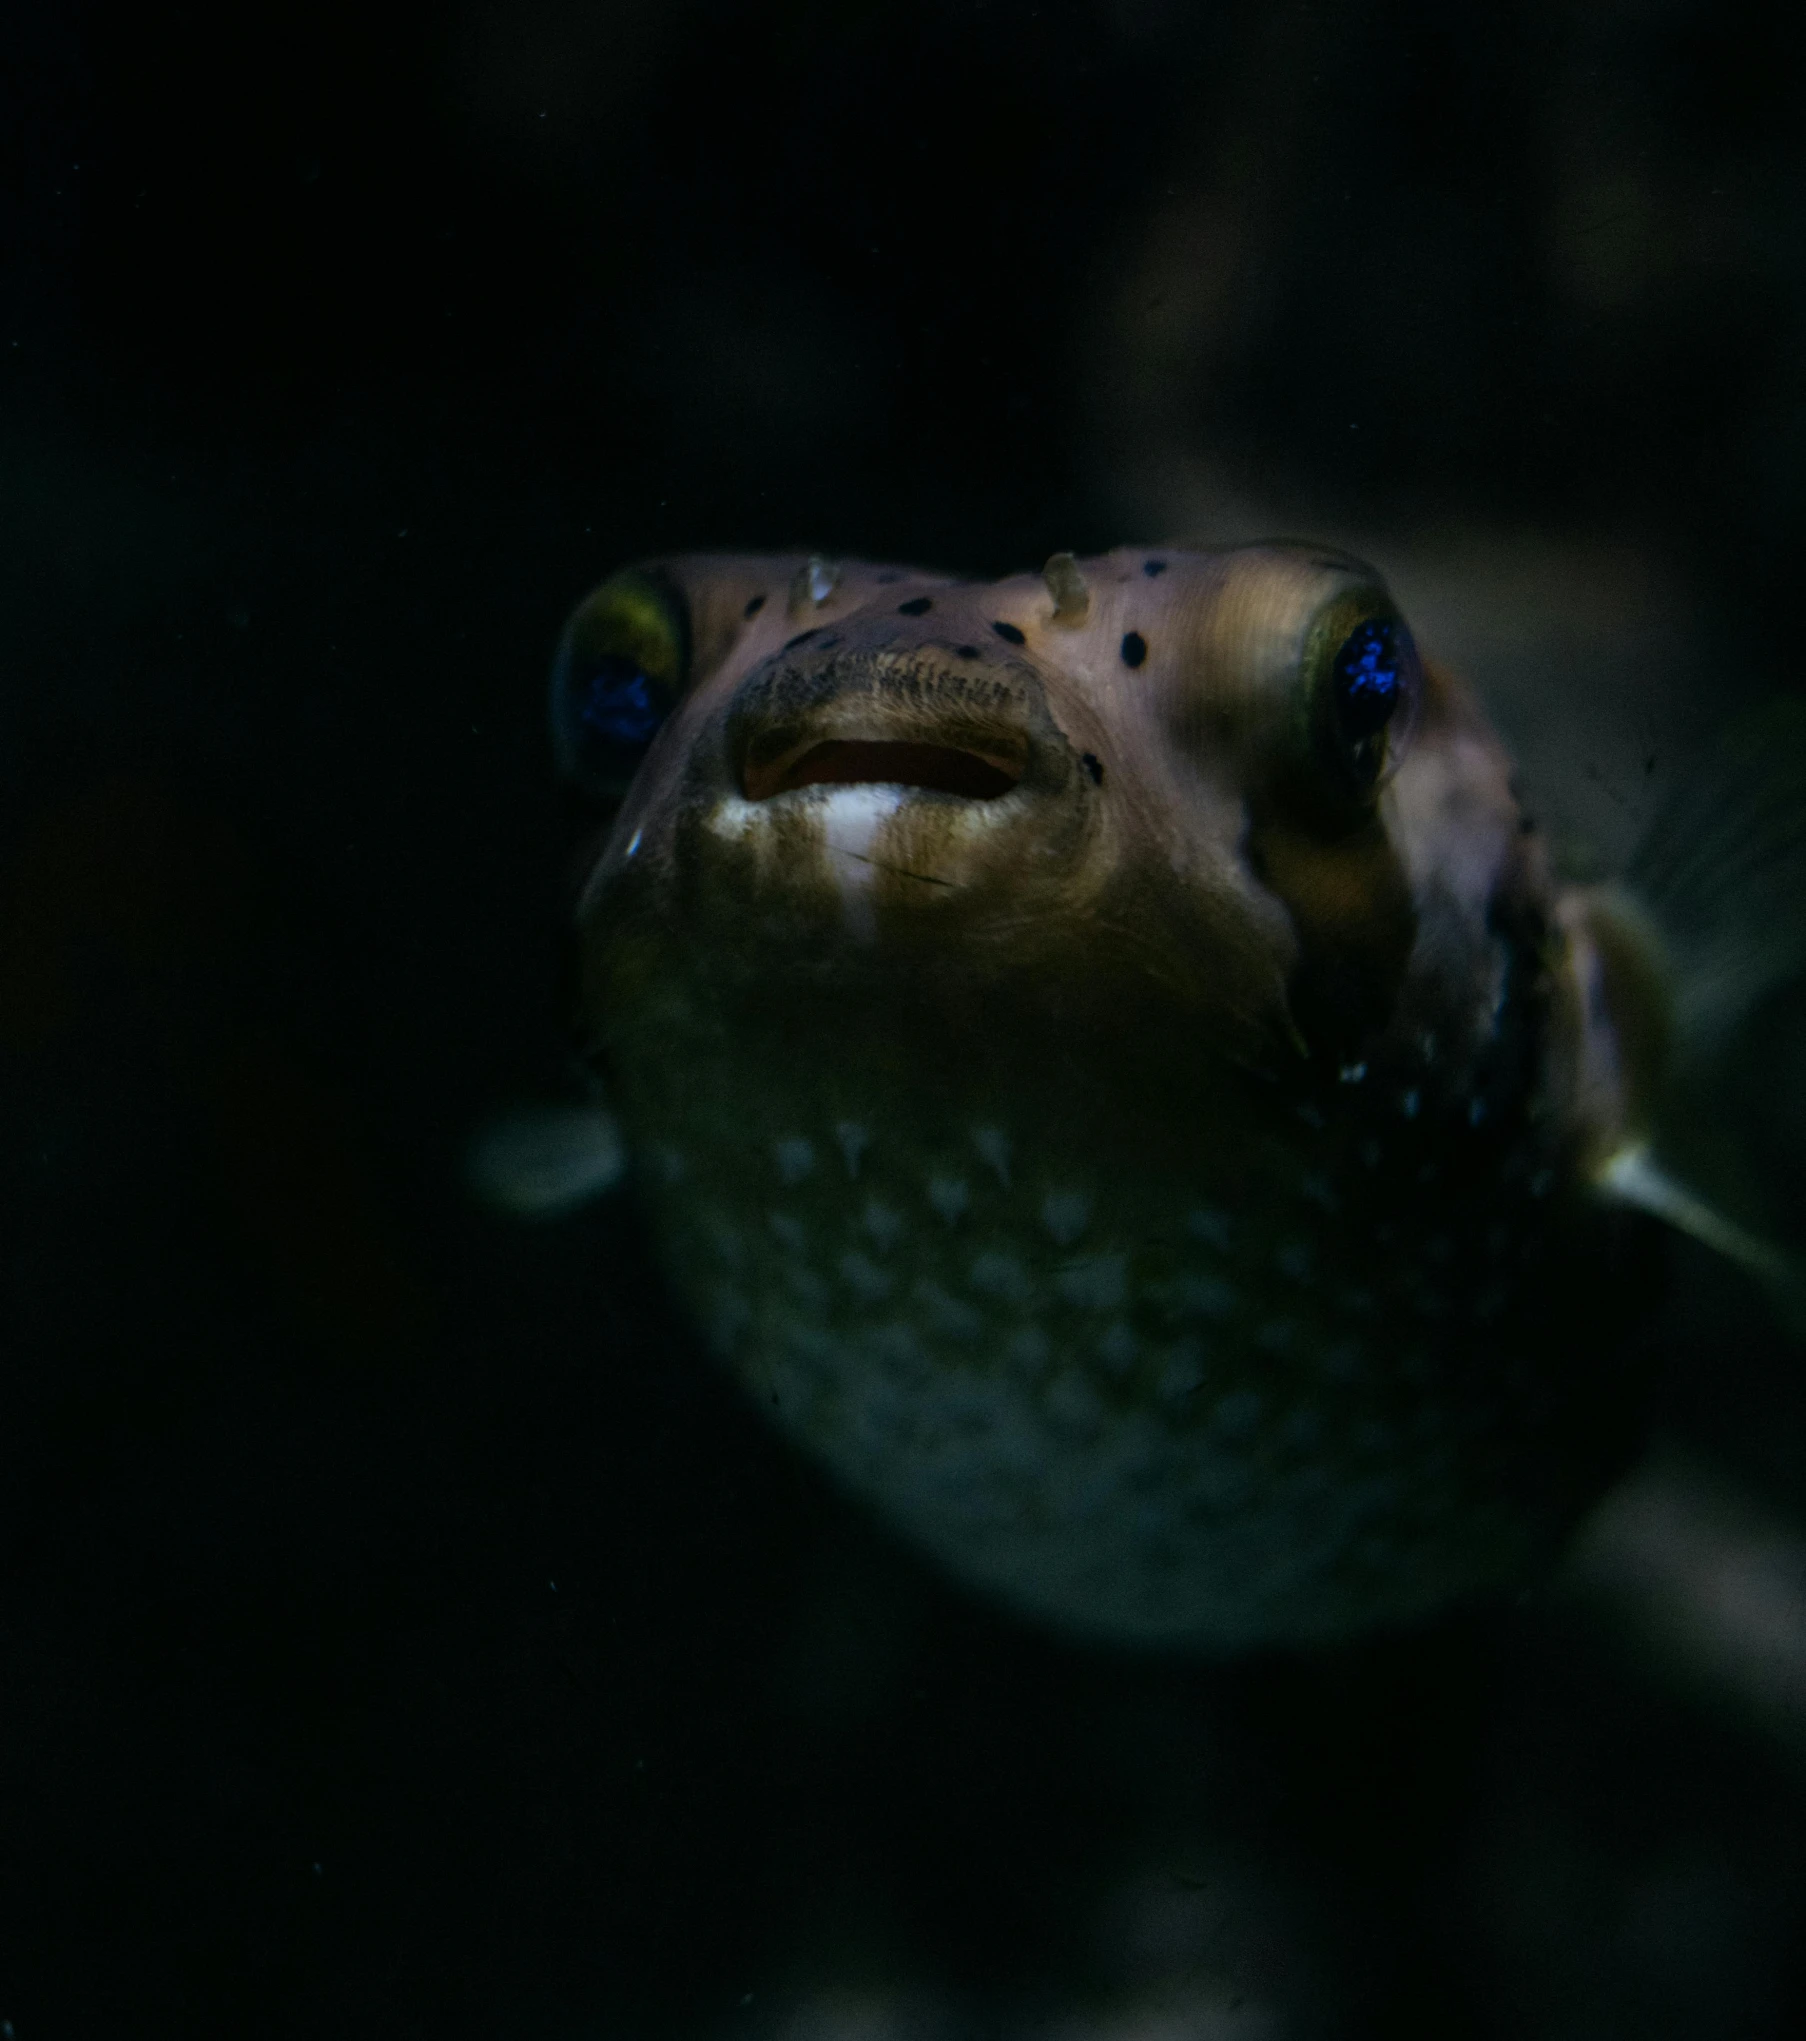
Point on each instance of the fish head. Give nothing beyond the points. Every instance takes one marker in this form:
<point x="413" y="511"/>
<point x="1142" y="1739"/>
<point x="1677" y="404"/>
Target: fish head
<point x="1233" y="778"/>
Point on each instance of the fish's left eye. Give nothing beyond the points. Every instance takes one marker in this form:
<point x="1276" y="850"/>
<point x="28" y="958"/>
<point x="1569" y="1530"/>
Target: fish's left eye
<point x="620" y="670"/>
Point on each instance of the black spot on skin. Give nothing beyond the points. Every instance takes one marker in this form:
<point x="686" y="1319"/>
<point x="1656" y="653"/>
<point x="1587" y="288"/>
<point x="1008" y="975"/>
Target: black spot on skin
<point x="1134" y="648"/>
<point x="1152" y="567"/>
<point x="801" y="638"/>
<point x="916" y="606"/>
<point x="753" y="608"/>
<point x="1091" y="765"/>
<point x="828" y="644"/>
<point x="965" y="651"/>
<point x="1526" y="825"/>
<point x="1009" y="634"/>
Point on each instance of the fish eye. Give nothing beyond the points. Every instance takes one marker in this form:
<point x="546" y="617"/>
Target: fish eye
<point x="1366" y="680"/>
<point x="620" y="670"/>
<point x="1363" y="682"/>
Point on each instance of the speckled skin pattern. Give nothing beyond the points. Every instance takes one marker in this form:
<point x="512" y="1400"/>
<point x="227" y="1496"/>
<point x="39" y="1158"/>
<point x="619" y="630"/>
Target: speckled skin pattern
<point x="1161" y="1189"/>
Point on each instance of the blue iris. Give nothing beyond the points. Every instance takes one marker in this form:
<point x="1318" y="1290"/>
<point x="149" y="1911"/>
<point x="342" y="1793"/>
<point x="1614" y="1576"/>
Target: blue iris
<point x="1367" y="680"/>
<point x="606" y="709"/>
<point x="616" y="704"/>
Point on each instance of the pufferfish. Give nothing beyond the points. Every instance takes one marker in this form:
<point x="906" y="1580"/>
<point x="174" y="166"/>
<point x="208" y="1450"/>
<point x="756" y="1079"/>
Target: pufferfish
<point x="1110" y="1070"/>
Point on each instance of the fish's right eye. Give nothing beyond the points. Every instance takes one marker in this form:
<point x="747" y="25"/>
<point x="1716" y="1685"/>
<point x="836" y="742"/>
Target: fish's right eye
<point x="621" y="669"/>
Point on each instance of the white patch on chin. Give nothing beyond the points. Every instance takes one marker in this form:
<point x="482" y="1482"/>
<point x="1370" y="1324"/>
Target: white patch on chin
<point x="851" y="818"/>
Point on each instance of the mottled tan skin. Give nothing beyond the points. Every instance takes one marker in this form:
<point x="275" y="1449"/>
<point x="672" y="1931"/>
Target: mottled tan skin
<point x="1163" y="1190"/>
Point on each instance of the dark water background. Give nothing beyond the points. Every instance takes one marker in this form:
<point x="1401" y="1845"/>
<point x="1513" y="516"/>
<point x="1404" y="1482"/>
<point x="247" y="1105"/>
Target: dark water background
<point x="402" y="1630"/>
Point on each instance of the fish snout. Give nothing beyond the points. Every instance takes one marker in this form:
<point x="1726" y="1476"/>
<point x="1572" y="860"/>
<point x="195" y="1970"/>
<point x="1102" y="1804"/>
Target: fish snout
<point x="952" y="720"/>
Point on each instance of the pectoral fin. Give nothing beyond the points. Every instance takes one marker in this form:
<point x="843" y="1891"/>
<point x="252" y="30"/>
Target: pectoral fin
<point x="1706" y="935"/>
<point x="1634" y="1176"/>
<point x="540" y="1162"/>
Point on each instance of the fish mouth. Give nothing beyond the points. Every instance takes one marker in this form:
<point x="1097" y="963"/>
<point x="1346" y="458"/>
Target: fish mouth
<point x="930" y="722"/>
<point x="968" y="773"/>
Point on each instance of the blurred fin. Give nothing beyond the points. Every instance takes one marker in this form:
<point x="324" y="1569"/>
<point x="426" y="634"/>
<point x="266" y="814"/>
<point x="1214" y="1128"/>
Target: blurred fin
<point x="539" y="1162"/>
<point x="1709" y="1580"/>
<point x="1710" y="927"/>
<point x="1722" y="874"/>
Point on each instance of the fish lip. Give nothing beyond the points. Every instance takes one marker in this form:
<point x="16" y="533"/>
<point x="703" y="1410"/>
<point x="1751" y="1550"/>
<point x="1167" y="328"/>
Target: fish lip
<point x="897" y="716"/>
